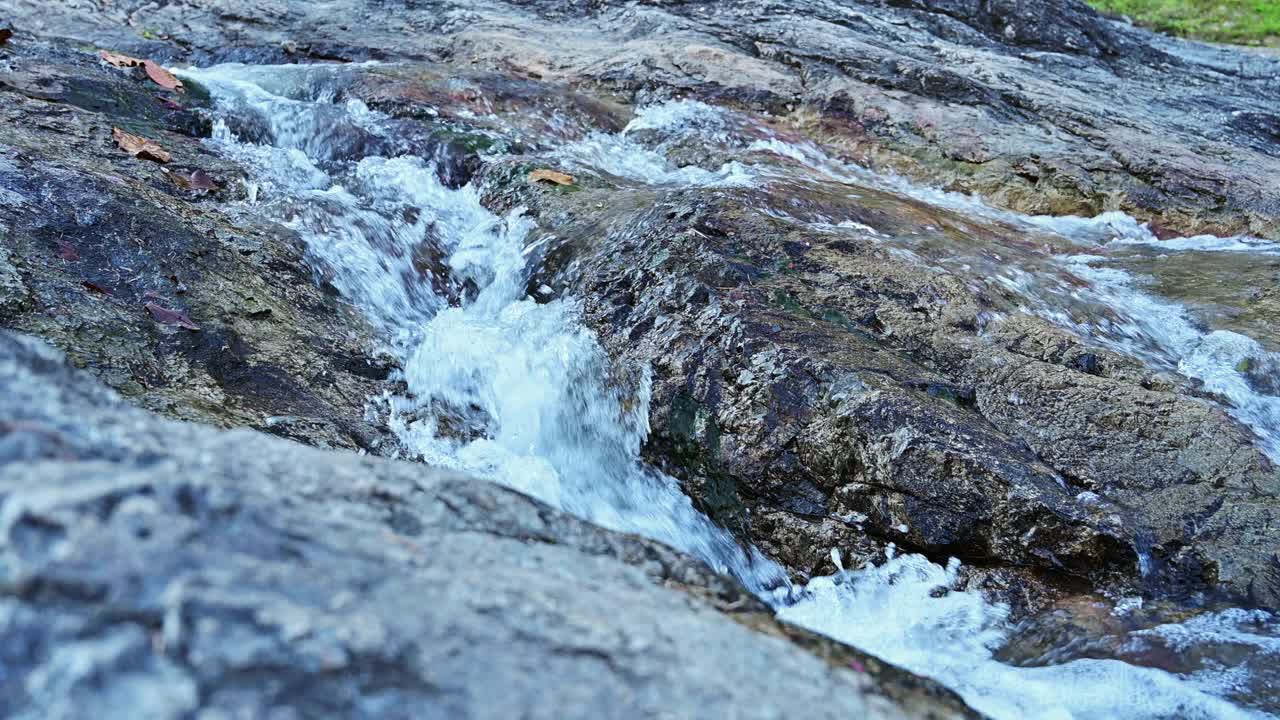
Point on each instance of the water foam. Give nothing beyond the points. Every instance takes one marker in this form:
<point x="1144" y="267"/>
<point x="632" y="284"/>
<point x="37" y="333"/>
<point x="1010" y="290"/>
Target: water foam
<point x="532" y="383"/>
<point x="898" y="612"/>
<point x="623" y="156"/>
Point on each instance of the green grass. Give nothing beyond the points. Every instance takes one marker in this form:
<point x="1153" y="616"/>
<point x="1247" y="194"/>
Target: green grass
<point x="1251" y="22"/>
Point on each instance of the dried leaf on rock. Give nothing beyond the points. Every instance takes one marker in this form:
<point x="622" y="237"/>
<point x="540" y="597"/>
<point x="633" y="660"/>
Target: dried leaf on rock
<point x="551" y="176"/>
<point x="140" y="147"/>
<point x="67" y="251"/>
<point x="119" y="60"/>
<point x="170" y="317"/>
<point x="161" y="77"/>
<point x="154" y="70"/>
<point x="5" y="34"/>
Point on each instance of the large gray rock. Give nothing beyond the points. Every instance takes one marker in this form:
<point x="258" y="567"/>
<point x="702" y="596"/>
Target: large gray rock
<point x="155" y="569"/>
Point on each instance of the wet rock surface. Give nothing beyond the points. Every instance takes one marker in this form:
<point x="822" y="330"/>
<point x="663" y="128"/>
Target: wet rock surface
<point x="133" y="270"/>
<point x="816" y="392"/>
<point x="1042" y="106"/>
<point x="152" y="568"/>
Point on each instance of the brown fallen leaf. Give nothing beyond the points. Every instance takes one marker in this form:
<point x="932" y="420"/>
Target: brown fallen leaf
<point x="140" y="147"/>
<point x="197" y="180"/>
<point x="158" y="74"/>
<point x="119" y="60"/>
<point x="170" y="317"/>
<point x="201" y="180"/>
<point x="162" y="77"/>
<point x="67" y="251"/>
<point x="5" y="34"/>
<point x="551" y="176"/>
<point x="91" y="285"/>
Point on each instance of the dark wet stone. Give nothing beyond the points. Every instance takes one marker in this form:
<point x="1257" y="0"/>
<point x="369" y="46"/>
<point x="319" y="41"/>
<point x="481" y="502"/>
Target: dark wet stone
<point x="94" y="236"/>
<point x="1089" y="363"/>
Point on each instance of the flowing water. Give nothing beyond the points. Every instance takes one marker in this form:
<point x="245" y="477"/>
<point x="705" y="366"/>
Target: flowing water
<point x="521" y="392"/>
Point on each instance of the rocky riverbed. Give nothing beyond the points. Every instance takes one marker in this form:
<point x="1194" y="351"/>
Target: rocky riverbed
<point x="874" y="285"/>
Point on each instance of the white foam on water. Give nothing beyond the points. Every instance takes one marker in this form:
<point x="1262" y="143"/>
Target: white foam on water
<point x="551" y="423"/>
<point x="1253" y="635"/>
<point x="894" y="611"/>
<point x="520" y="392"/>
<point x="621" y="155"/>
<point x="368" y="250"/>
<point x="1226" y="626"/>
<point x="1202" y="243"/>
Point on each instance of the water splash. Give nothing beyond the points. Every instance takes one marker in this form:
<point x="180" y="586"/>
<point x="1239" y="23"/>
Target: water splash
<point x="621" y="155"/>
<point x="904" y="612"/>
<point x="499" y="385"/>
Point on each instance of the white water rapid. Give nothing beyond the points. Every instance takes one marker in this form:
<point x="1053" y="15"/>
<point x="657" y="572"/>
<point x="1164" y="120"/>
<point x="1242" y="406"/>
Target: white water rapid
<point x="520" y="392"/>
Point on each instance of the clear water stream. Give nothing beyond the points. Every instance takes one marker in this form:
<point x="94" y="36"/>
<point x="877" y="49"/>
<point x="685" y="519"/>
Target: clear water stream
<point x="520" y="392"/>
